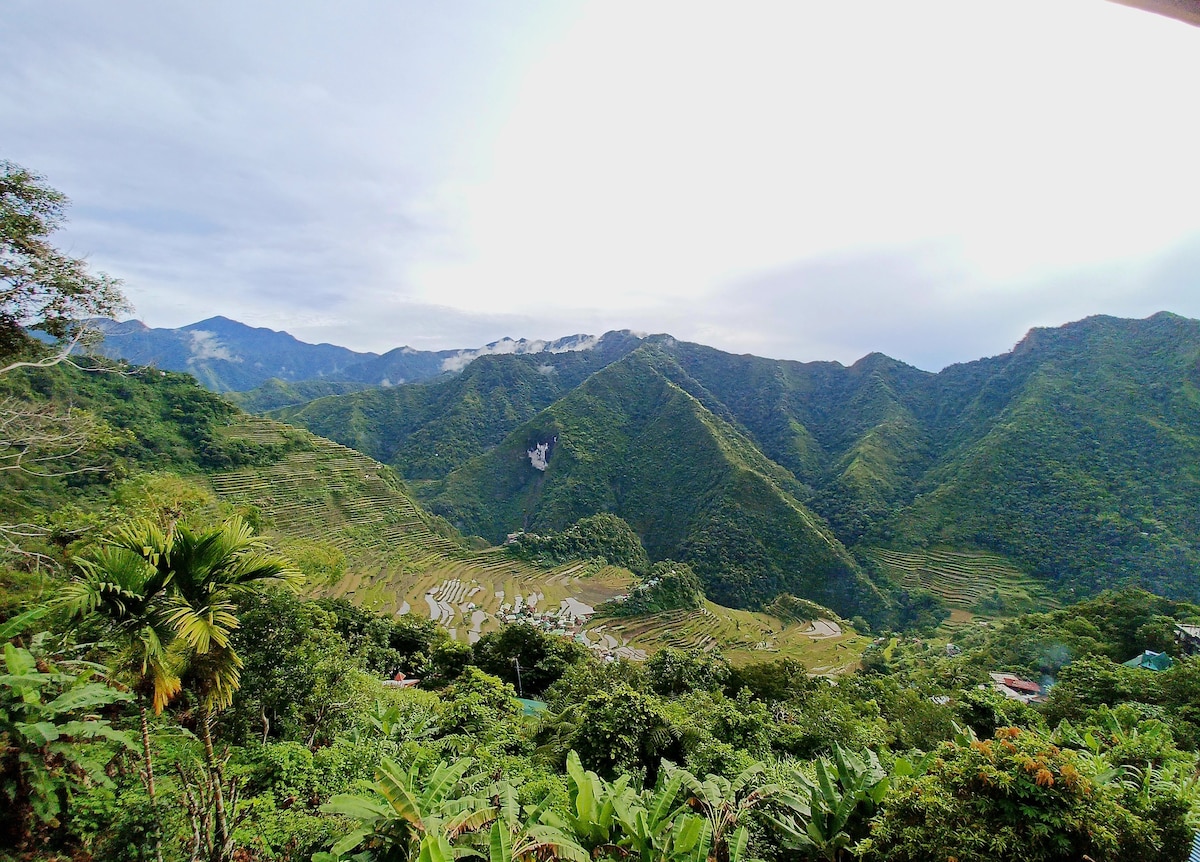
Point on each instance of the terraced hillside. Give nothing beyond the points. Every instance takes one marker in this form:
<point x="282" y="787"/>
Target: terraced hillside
<point x="982" y="583"/>
<point x="320" y="500"/>
<point x="824" y="646"/>
<point x="325" y="500"/>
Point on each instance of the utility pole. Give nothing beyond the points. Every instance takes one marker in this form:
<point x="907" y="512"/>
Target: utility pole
<point x="517" y="662"/>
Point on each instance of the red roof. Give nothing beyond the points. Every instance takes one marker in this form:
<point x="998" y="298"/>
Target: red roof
<point x="1022" y="684"/>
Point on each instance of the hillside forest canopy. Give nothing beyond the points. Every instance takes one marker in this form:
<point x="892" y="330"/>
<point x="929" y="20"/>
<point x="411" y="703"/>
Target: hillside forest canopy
<point x="181" y="683"/>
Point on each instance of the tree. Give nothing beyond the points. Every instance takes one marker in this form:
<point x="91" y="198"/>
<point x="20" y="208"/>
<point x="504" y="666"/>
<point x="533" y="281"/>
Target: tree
<point x="301" y="680"/>
<point x="672" y="672"/>
<point x="40" y="287"/>
<point x="121" y="591"/>
<point x="43" y="289"/>
<point x="172" y="593"/>
<point x="1013" y="797"/>
<point x="543" y="658"/>
<point x="207" y="572"/>
<point x="623" y="730"/>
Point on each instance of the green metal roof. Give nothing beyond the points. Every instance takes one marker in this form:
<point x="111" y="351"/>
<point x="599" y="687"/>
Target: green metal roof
<point x="1151" y="660"/>
<point x="532" y="707"/>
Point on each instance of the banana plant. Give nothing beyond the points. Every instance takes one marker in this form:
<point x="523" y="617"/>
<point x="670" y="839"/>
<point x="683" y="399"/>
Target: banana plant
<point x="592" y="805"/>
<point x="413" y="813"/>
<point x="657" y="826"/>
<point x="525" y="834"/>
<point x="725" y="804"/>
<point x="828" y="814"/>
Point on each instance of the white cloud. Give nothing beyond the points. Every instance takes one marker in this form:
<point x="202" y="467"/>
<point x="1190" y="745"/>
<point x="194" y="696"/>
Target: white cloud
<point x="375" y="174"/>
<point x="206" y="345"/>
<point x="520" y="346"/>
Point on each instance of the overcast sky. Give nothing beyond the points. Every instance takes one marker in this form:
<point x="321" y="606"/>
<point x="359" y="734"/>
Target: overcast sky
<point x="798" y="180"/>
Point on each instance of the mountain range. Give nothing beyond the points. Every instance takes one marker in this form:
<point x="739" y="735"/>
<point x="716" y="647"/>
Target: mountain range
<point x="228" y="356"/>
<point x="1076" y="456"/>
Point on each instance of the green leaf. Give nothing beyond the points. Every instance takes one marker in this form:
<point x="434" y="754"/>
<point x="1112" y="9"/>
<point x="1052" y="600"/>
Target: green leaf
<point x="436" y="848"/>
<point x="96" y="729"/>
<point x="688" y="830"/>
<point x="349" y="842"/>
<point x="737" y="847"/>
<point x="358" y="807"/>
<point x="13" y="627"/>
<point x="500" y="846"/>
<point x="85" y="697"/>
<point x="39" y="733"/>
<point x="18" y="660"/>
<point x="390" y="782"/>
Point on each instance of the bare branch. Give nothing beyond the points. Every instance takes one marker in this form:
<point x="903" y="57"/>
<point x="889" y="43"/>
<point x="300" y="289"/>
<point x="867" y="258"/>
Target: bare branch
<point x="10" y="533"/>
<point x="41" y="440"/>
<point x="60" y="356"/>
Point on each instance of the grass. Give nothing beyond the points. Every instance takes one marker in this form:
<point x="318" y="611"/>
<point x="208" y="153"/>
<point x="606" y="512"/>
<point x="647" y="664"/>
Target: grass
<point x="975" y="582"/>
<point x="741" y="636"/>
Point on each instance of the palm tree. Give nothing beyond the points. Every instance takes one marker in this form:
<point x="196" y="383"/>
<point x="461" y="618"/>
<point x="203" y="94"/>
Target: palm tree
<point x="205" y="572"/>
<point x="170" y="597"/>
<point x="122" y="592"/>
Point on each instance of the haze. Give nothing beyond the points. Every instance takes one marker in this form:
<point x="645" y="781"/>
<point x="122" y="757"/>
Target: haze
<point x="797" y="180"/>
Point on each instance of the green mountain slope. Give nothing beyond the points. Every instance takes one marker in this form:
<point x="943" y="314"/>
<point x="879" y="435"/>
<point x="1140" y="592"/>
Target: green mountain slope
<point x="276" y="394"/>
<point x="160" y="446"/>
<point x="427" y="430"/>
<point x="1079" y="457"/>
<point x="1074" y="455"/>
<point x="630" y="441"/>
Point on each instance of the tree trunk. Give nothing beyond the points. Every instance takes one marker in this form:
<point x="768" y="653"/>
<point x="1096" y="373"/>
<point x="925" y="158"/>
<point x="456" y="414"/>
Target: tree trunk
<point x="221" y="842"/>
<point x="148" y="766"/>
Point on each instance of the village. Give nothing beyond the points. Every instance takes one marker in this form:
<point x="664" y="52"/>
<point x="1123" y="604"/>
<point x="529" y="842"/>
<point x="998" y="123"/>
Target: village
<point x="456" y="604"/>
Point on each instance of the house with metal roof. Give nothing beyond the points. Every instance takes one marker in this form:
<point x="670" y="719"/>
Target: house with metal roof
<point x="1151" y="660"/>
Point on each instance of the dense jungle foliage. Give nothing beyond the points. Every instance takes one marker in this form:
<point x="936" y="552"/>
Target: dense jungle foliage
<point x="682" y="756"/>
<point x="603" y="537"/>
<point x="667" y="586"/>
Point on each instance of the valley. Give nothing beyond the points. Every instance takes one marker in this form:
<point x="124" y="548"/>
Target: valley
<point x="322" y="501"/>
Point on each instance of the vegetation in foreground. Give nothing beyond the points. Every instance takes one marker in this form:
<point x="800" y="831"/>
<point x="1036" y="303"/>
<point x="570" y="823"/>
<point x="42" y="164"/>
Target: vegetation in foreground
<point x="167" y="702"/>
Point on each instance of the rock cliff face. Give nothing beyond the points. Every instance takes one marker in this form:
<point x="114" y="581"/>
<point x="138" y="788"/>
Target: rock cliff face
<point x="539" y="455"/>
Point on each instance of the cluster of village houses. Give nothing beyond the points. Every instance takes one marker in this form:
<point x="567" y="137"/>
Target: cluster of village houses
<point x="1187" y="639"/>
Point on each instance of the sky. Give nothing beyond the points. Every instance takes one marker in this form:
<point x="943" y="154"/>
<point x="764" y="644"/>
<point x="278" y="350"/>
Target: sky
<point x="800" y="180"/>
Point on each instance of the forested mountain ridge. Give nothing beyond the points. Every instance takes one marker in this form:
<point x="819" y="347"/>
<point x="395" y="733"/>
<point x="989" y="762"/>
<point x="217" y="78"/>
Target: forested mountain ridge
<point x="433" y="428"/>
<point x="632" y="442"/>
<point x="1075" y="454"/>
<point x="223" y="354"/>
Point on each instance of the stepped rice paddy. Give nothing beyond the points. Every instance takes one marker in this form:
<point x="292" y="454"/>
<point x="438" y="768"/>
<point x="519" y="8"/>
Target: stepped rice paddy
<point x="823" y="646"/>
<point x="975" y="581"/>
<point x="324" y="496"/>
